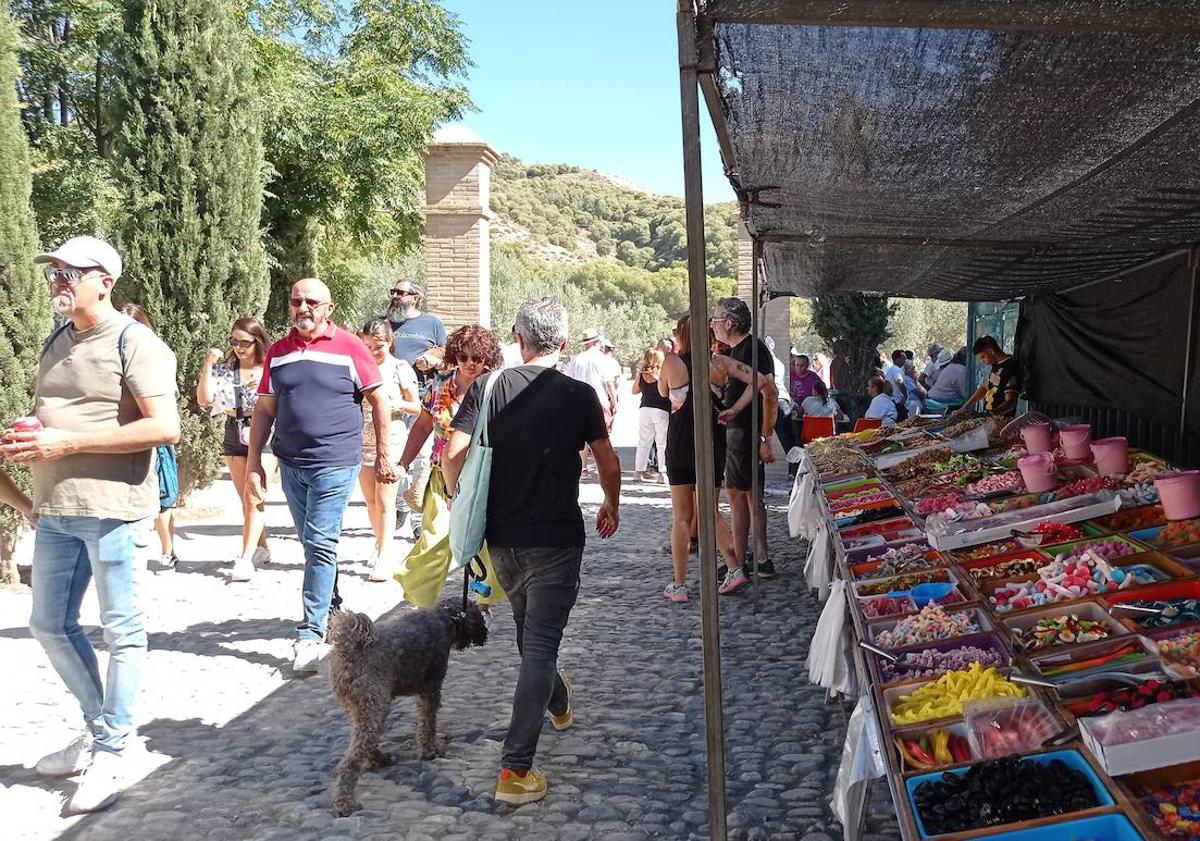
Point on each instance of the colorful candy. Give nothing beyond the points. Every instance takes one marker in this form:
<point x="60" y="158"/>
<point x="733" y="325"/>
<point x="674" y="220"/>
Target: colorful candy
<point x="1107" y="548"/>
<point x="903" y="582"/>
<point x="937" y="502"/>
<point x="1087" y="486"/>
<point x="931" y="624"/>
<point x="1011" y="568"/>
<point x="1179" y="533"/>
<point x="987" y="550"/>
<point x="1183" y="650"/>
<point x="945" y="696"/>
<point x="1132" y="698"/>
<point x="1132" y="519"/>
<point x="933" y="750"/>
<point x="1018" y="728"/>
<point x="1058" y="532"/>
<point x="912" y="557"/>
<point x="931" y="662"/>
<point x="1068" y="577"/>
<point x="1188" y="610"/>
<point x="1003" y="482"/>
<point x="886" y="606"/>
<point x="1067" y="629"/>
<point x="1175" y="810"/>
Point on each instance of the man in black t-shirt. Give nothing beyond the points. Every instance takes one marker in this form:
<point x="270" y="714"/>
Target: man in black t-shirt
<point x="999" y="392"/>
<point x="731" y="325"/>
<point x="538" y="421"/>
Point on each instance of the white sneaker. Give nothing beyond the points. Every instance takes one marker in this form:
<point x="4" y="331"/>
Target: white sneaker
<point x="307" y="656"/>
<point x="243" y="570"/>
<point x="262" y="555"/>
<point x="69" y="761"/>
<point x="101" y="784"/>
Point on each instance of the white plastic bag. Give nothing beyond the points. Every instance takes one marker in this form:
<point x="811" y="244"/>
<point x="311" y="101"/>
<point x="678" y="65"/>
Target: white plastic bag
<point x="862" y="761"/>
<point x="818" y="568"/>
<point x="829" y="661"/>
<point x="803" y="509"/>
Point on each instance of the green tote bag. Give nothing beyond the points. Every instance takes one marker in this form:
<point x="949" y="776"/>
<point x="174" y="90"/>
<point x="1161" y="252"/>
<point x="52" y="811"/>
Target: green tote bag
<point x="468" y="511"/>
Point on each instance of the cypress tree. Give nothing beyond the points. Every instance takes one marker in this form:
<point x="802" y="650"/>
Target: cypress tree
<point x="24" y="306"/>
<point x="189" y="156"/>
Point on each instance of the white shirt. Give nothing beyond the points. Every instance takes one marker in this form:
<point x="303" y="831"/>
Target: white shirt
<point x="813" y="407"/>
<point x="510" y="355"/>
<point x="894" y="374"/>
<point x="883" y="408"/>
<point x="597" y="369"/>
<point x="781" y="384"/>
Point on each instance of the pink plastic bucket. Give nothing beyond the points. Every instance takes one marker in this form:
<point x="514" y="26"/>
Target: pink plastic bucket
<point x="1112" y="455"/>
<point x="1180" y="495"/>
<point x="1037" y="437"/>
<point x="1076" y="441"/>
<point x="1039" y="472"/>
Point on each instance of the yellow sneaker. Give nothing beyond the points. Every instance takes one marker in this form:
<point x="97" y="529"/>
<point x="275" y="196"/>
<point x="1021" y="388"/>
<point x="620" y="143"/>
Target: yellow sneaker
<point x="516" y="790"/>
<point x="562" y="722"/>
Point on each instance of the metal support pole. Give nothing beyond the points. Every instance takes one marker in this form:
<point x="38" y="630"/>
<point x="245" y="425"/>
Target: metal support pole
<point x="702" y="401"/>
<point x="1188" y="356"/>
<point x="755" y="412"/>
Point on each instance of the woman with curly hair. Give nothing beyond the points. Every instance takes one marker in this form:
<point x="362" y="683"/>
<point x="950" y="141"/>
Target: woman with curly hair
<point x="470" y="351"/>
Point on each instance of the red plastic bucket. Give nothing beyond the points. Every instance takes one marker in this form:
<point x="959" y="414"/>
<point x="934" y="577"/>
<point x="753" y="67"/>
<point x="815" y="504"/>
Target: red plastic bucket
<point x="1180" y="494"/>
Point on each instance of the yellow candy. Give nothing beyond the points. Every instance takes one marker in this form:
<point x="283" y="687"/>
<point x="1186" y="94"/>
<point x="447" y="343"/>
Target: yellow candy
<point x="945" y="696"/>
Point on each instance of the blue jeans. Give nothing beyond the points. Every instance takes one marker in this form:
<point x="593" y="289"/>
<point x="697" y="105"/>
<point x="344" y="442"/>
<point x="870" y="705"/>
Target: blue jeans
<point x="317" y="498"/>
<point x="542" y="584"/>
<point x="68" y="553"/>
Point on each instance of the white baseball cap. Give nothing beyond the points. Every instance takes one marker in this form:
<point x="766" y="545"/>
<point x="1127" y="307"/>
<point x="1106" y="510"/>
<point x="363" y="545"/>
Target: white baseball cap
<point x="85" y="253"/>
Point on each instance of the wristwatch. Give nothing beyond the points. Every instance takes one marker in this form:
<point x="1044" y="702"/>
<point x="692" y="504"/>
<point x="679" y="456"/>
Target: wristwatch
<point x="762" y="439"/>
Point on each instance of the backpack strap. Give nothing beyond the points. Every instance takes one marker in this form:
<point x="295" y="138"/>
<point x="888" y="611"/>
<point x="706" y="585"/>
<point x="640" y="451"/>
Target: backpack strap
<point x="121" y="347"/>
<point x="58" y="331"/>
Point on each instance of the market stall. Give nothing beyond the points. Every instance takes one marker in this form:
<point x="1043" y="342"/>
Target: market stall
<point x="1025" y="625"/>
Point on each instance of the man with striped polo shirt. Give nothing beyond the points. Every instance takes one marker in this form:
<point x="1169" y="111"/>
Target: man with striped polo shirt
<point x="313" y="384"/>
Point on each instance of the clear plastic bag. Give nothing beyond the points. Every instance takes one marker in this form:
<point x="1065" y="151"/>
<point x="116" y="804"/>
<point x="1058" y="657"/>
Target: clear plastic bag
<point x="999" y="727"/>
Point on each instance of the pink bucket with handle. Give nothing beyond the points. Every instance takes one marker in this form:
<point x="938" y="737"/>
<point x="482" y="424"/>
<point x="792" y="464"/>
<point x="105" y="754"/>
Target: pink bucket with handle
<point x="1112" y="455"/>
<point x="1180" y="494"/>
<point x="1039" y="472"/>
<point x="1077" y="441"/>
<point x="1037" y="437"/>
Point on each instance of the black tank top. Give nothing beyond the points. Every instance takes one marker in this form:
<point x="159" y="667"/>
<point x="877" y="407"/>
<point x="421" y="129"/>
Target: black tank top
<point x="651" y="399"/>
<point x="681" y="450"/>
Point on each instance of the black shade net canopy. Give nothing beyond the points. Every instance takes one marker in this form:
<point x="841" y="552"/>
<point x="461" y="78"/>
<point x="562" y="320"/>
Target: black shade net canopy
<point x="959" y="150"/>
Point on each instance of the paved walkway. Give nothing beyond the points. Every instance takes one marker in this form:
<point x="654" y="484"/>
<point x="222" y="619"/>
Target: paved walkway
<point x="242" y="750"/>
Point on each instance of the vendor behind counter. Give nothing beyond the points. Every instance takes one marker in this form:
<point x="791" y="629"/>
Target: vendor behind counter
<point x="1000" y="391"/>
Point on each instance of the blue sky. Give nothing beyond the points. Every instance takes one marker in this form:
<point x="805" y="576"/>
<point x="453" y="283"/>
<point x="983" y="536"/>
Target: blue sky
<point x="590" y="84"/>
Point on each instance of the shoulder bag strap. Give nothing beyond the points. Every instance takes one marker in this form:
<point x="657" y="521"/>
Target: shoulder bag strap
<point x="481" y="422"/>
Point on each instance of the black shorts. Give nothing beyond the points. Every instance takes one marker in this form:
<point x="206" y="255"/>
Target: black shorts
<point x="231" y="444"/>
<point x="741" y="444"/>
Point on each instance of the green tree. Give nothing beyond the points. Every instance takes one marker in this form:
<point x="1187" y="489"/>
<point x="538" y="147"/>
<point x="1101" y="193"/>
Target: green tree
<point x="853" y="326"/>
<point x="352" y="94"/>
<point x="24" y="312"/>
<point x="189" y="157"/>
<point x="919" y="323"/>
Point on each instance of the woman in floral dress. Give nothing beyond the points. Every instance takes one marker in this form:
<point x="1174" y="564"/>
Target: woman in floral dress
<point x="470" y="352"/>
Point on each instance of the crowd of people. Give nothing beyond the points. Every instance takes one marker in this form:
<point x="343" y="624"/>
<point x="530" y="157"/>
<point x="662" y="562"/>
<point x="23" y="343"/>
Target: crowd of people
<point x="391" y="407"/>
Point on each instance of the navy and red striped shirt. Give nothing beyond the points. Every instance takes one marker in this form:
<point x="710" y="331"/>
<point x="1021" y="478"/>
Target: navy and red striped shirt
<point x="319" y="386"/>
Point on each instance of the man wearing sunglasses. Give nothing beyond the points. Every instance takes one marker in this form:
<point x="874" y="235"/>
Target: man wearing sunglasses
<point x="104" y="400"/>
<point x="414" y="331"/>
<point x="313" y="384"/>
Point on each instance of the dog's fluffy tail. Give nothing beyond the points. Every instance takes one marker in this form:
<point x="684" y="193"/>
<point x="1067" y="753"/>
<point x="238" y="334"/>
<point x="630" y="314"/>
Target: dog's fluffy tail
<point x="467" y="627"/>
<point x="350" y="633"/>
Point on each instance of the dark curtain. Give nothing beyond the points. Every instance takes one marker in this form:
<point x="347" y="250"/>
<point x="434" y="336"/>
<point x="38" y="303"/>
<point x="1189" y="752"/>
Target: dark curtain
<point x="1114" y="345"/>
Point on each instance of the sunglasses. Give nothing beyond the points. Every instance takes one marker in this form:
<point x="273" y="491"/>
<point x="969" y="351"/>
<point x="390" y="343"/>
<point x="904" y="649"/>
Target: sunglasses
<point x="68" y="276"/>
<point x="312" y="303"/>
<point x="242" y="343"/>
<point x="405" y="293"/>
<point x="716" y="318"/>
<point x="477" y="360"/>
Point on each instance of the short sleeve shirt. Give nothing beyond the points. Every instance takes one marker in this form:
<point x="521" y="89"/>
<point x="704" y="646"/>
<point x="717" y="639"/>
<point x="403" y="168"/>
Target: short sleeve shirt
<point x="319" y="386"/>
<point x="230" y="392"/>
<point x="1005" y="377"/>
<point x="538" y="421"/>
<point x="81" y="388"/>
<point x="741" y="352"/>
<point x="413" y="336"/>
<point x="594" y="368"/>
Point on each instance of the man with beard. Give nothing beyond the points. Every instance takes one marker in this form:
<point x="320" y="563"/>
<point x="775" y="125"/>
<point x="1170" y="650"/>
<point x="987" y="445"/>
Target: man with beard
<point x="314" y="381"/>
<point x="104" y="400"/>
<point x="414" y="331"/>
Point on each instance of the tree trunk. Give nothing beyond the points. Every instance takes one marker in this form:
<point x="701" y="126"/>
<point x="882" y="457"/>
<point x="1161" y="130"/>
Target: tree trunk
<point x="8" y="564"/>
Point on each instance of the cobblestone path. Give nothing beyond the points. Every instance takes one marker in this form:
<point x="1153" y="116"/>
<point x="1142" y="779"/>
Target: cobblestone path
<point x="244" y="751"/>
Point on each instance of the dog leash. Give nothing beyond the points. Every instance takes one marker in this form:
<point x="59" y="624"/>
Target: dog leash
<point x="473" y="580"/>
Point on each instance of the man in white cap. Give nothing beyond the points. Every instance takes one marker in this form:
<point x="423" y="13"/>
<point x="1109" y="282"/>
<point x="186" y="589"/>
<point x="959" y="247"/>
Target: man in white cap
<point x="594" y="367"/>
<point x="104" y="400"/>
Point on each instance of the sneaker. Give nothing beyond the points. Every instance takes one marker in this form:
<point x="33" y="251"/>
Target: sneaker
<point x="166" y="562"/>
<point x="676" y="592"/>
<point x="307" y="656"/>
<point x="562" y="722"/>
<point x="69" y="761"/>
<point x="735" y="579"/>
<point x="517" y="787"/>
<point x="101" y="784"/>
<point x="243" y="570"/>
<point x="722" y="571"/>
<point x="262" y="555"/>
<point x="766" y="569"/>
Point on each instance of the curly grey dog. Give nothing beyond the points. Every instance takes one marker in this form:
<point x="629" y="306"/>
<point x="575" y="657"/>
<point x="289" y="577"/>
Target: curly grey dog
<point x="373" y="663"/>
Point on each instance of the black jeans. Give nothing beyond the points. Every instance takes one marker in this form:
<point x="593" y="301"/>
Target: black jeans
<point x="785" y="431"/>
<point x="541" y="584"/>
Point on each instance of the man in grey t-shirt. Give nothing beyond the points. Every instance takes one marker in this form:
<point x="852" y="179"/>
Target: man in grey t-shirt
<point x="413" y="331"/>
<point x="104" y="400"/>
